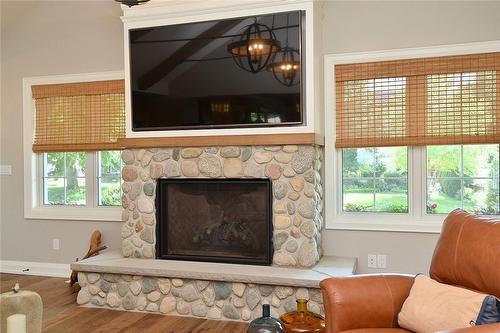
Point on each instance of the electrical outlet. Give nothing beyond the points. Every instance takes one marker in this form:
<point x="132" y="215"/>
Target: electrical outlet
<point x="381" y="261"/>
<point x="55" y="244"/>
<point x="372" y="261"/>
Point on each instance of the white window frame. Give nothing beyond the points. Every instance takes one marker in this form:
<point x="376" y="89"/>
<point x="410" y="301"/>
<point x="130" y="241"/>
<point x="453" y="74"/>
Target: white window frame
<point x="34" y="207"/>
<point x="416" y="220"/>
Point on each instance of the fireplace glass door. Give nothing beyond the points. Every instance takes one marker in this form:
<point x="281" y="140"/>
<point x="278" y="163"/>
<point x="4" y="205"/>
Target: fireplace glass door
<point x="219" y="220"/>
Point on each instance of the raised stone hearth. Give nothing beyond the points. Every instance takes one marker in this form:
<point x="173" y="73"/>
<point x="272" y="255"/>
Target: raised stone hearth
<point x="296" y="182"/>
<point x="199" y="298"/>
<point x="207" y="290"/>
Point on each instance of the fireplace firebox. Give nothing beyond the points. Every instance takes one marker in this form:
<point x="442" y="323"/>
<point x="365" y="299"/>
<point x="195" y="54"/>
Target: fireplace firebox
<point x="218" y="220"/>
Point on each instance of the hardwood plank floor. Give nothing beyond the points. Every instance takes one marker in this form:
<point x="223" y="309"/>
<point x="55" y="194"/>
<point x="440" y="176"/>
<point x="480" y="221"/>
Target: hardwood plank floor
<point x="61" y="314"/>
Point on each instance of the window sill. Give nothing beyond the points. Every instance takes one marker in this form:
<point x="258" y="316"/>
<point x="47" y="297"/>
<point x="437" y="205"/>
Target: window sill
<point x="387" y="222"/>
<point x="112" y="214"/>
<point x="416" y="228"/>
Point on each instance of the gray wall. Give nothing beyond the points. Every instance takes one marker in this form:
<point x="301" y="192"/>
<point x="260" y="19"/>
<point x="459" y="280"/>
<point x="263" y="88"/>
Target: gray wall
<point x="84" y="36"/>
<point x="352" y="26"/>
<point x="47" y="38"/>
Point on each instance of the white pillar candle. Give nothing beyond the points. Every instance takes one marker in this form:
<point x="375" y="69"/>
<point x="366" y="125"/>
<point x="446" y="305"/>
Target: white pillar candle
<point x="16" y="323"/>
<point x="17" y="303"/>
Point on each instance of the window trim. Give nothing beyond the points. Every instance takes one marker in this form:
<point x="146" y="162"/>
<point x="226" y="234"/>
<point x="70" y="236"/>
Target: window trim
<point x="33" y="198"/>
<point x="416" y="220"/>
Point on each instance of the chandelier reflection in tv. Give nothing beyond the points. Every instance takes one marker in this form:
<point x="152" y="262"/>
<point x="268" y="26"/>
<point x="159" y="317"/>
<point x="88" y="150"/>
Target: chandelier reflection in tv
<point x="257" y="48"/>
<point x="285" y="64"/>
<point x="254" y="47"/>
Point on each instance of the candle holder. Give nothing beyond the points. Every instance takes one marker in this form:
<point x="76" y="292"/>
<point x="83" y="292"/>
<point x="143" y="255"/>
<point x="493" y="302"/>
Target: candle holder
<point x="21" y="311"/>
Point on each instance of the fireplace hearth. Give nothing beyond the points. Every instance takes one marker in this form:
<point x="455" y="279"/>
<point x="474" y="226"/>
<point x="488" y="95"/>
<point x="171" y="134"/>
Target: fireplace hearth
<point x="218" y="220"/>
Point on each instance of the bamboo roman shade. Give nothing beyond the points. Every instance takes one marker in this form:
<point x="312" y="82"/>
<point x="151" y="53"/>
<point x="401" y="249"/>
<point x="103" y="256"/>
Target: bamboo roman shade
<point x="426" y="101"/>
<point x="85" y="116"/>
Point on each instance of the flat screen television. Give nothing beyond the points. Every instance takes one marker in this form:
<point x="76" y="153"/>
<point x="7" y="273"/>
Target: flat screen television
<point x="238" y="72"/>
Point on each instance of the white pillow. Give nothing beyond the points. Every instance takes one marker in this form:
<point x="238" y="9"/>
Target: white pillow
<point x="433" y="306"/>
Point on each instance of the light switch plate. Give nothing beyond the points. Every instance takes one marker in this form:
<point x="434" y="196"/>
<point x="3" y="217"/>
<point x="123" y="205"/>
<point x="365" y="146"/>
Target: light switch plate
<point x="5" y="170"/>
<point x="382" y="261"/>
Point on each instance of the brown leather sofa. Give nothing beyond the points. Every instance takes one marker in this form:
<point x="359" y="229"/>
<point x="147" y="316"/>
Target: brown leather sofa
<point x="467" y="255"/>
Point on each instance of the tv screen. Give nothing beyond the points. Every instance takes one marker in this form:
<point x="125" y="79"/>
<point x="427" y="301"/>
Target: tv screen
<point x="238" y="72"/>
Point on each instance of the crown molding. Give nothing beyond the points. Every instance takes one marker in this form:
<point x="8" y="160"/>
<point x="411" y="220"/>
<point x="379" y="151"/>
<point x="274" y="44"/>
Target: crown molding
<point x="162" y="9"/>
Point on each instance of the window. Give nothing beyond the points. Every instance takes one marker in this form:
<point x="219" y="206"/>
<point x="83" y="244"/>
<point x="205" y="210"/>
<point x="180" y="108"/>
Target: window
<point x="375" y="180"/>
<point x="463" y="177"/>
<point x="413" y="138"/>
<point x="458" y="176"/>
<point x="71" y="128"/>
<point x="109" y="178"/>
<point x="65" y="178"/>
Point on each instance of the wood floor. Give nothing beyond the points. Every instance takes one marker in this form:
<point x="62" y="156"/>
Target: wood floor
<point x="62" y="314"/>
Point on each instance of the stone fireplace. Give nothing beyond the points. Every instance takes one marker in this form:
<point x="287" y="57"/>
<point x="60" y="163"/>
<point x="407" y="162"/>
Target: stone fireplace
<point x="218" y="220"/>
<point x="294" y="172"/>
<point x="195" y="179"/>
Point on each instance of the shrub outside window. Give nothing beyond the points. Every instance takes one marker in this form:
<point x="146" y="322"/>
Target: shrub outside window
<point x="463" y="177"/>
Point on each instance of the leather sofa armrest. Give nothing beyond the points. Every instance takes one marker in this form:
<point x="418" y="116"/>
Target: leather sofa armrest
<point x="489" y="328"/>
<point x="364" y="301"/>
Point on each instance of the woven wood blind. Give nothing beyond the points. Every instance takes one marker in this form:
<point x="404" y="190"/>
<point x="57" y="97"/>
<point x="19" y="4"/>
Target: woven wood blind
<point x="428" y="101"/>
<point x="86" y="116"/>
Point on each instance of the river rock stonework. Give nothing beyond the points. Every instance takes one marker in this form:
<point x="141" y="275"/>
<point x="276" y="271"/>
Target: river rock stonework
<point x="297" y="193"/>
<point x="198" y="298"/>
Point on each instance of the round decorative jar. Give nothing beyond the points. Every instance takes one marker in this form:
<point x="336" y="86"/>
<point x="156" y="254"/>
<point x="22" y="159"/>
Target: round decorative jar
<point x="266" y="323"/>
<point x="303" y="320"/>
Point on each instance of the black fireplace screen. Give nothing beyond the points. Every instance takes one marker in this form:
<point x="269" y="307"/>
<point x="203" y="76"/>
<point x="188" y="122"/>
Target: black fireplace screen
<point x="219" y="220"/>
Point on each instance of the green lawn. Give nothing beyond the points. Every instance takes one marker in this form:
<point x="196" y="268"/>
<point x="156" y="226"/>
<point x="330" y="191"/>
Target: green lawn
<point x="384" y="202"/>
<point x="110" y="193"/>
<point x="445" y="204"/>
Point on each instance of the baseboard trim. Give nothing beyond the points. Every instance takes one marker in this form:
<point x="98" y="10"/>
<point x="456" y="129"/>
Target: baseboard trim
<point x="35" y="268"/>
